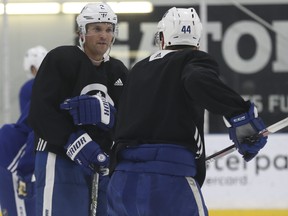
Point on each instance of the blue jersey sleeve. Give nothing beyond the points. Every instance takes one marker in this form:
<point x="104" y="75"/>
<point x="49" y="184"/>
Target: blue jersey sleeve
<point x="13" y="138"/>
<point x="26" y="162"/>
<point x="25" y="94"/>
<point x="12" y="141"/>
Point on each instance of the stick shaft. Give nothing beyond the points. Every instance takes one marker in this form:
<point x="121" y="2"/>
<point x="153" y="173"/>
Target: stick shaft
<point x="220" y="153"/>
<point x="278" y="125"/>
<point x="94" y="194"/>
<point x="271" y="129"/>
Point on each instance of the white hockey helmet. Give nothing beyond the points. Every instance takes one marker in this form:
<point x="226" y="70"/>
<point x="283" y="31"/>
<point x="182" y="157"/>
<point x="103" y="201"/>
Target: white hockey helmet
<point x="180" y="26"/>
<point x="33" y="57"/>
<point x="96" y="12"/>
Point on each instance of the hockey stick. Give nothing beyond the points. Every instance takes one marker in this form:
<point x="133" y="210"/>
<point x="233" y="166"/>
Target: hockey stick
<point x="94" y="194"/>
<point x="271" y="129"/>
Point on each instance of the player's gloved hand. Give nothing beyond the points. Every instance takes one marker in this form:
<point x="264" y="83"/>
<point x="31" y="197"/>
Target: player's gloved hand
<point x="242" y="127"/>
<point x="25" y="186"/>
<point x="87" y="109"/>
<point x="87" y="153"/>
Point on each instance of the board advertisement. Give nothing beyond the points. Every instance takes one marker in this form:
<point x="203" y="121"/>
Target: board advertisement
<point x="232" y="183"/>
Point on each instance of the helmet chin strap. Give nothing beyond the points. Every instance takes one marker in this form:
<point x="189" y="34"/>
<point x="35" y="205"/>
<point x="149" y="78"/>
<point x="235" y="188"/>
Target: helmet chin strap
<point x="96" y="62"/>
<point x="105" y="57"/>
<point x="106" y="54"/>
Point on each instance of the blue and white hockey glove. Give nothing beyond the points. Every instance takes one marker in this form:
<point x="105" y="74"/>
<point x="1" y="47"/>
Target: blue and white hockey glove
<point x="87" y="153"/>
<point x="242" y="127"/>
<point x="25" y="186"/>
<point x="87" y="109"/>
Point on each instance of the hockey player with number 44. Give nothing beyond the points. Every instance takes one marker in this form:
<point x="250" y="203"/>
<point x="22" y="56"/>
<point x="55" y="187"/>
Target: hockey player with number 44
<point x="159" y="151"/>
<point x="74" y="100"/>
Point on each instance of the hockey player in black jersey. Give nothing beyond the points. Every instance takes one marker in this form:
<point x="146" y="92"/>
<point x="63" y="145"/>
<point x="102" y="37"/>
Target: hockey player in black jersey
<point x="159" y="146"/>
<point x="73" y="103"/>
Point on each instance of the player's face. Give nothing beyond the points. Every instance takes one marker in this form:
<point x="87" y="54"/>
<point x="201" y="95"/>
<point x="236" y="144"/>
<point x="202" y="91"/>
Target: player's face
<point x="98" y="38"/>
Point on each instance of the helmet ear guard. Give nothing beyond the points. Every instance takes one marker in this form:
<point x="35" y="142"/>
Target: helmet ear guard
<point x="158" y="38"/>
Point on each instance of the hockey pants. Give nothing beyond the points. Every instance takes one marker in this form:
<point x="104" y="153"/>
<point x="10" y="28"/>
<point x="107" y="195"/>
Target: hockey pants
<point x="64" y="189"/>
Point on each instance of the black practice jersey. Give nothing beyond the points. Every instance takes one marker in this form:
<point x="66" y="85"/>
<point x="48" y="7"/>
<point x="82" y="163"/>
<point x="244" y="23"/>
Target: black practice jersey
<point x="67" y="72"/>
<point x="165" y="97"/>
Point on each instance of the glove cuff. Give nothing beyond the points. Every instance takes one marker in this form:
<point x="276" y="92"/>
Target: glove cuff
<point x="105" y="111"/>
<point x="74" y="148"/>
<point x="243" y="118"/>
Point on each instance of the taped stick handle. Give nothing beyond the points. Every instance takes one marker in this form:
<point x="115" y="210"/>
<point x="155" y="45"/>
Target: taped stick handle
<point x="94" y="194"/>
<point x="271" y="129"/>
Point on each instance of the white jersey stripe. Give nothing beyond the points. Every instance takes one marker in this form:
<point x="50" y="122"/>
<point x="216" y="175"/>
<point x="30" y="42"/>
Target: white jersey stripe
<point x="49" y="184"/>
<point x="197" y="195"/>
<point x="196" y="134"/>
<point x="41" y="145"/>
<point x="44" y="145"/>
<point x="199" y="143"/>
<point x="13" y="165"/>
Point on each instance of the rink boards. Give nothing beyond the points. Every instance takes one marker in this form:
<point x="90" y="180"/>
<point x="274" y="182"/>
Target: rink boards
<point x="248" y="212"/>
<point x="259" y="187"/>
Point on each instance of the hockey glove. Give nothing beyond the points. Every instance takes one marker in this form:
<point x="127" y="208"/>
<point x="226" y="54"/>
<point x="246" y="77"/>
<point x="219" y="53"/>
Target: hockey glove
<point x="87" y="153"/>
<point x="87" y="109"/>
<point x="25" y="186"/>
<point x="243" y="126"/>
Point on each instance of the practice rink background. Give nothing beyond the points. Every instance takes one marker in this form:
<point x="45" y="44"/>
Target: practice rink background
<point x="257" y="188"/>
<point x="248" y="38"/>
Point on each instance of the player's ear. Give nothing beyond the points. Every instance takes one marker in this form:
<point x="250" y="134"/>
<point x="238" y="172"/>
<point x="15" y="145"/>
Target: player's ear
<point x="162" y="40"/>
